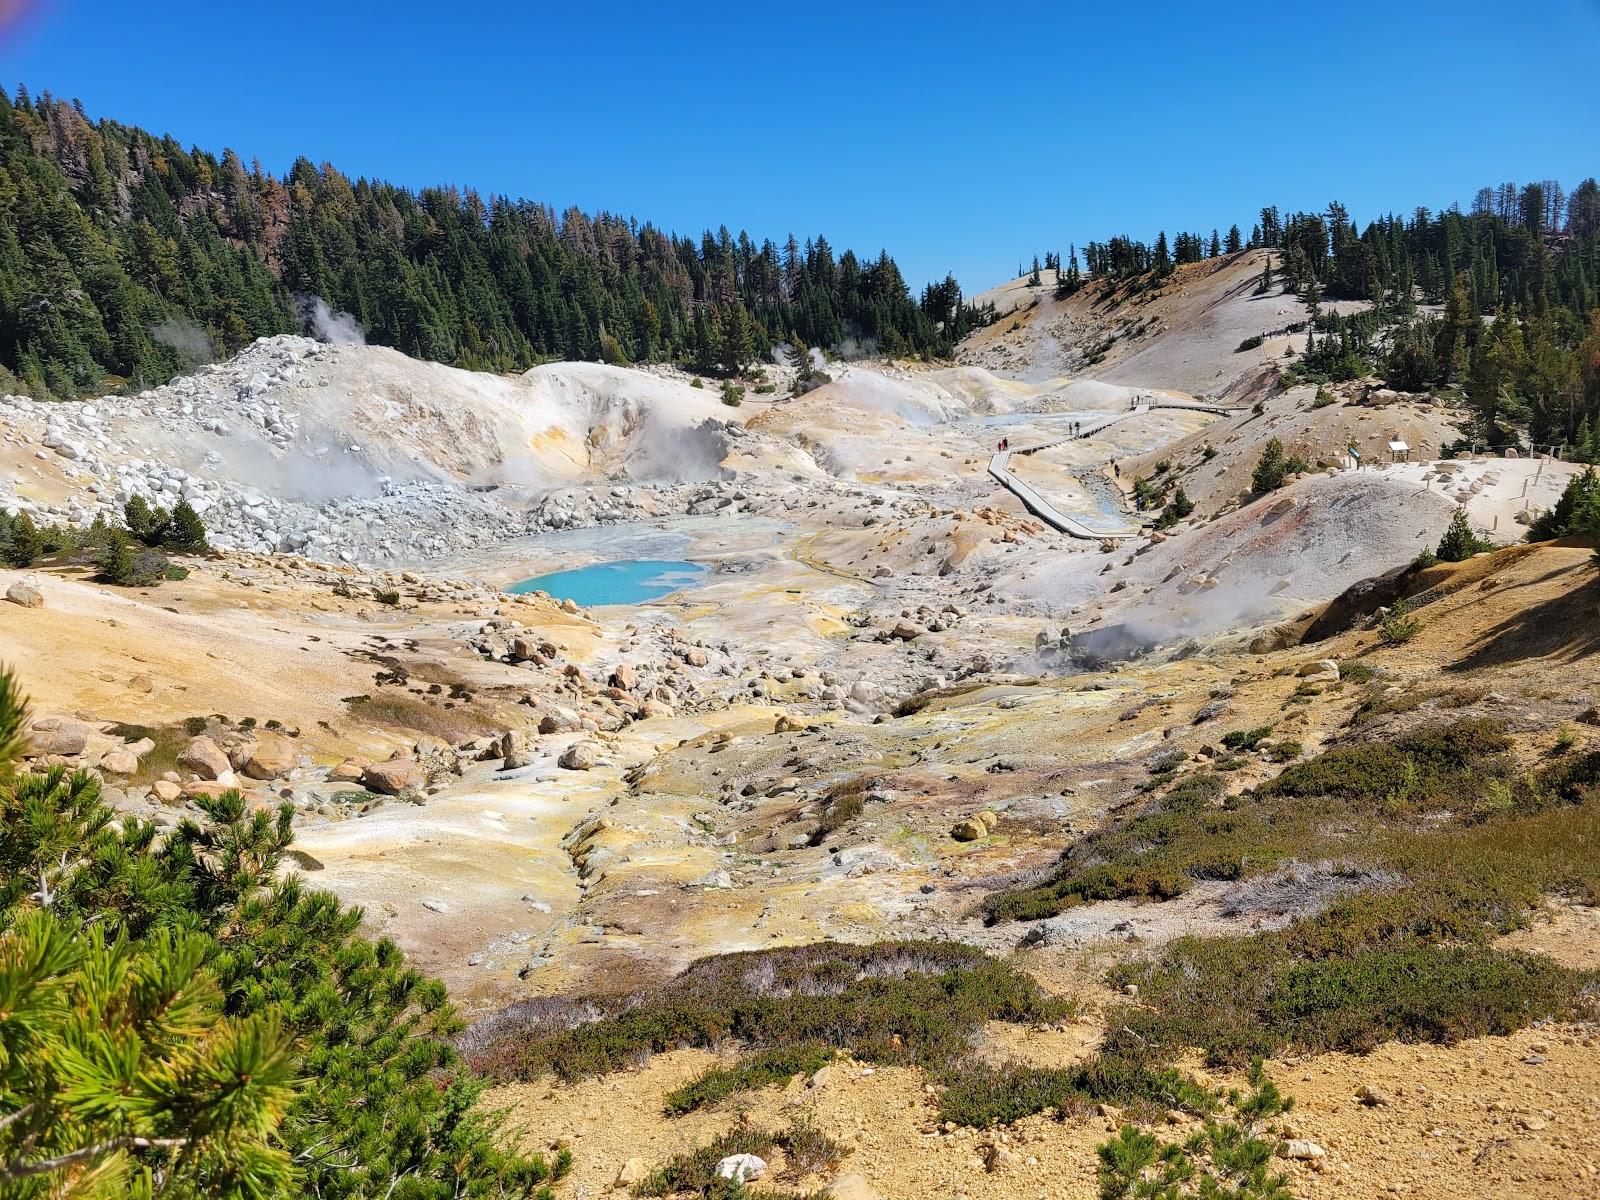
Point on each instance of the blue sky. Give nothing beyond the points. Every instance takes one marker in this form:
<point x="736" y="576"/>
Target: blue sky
<point x="962" y="137"/>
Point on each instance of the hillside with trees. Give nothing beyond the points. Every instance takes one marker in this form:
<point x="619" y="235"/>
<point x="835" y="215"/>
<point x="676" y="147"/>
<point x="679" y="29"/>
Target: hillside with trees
<point x="126" y="258"/>
<point x="1498" y="305"/>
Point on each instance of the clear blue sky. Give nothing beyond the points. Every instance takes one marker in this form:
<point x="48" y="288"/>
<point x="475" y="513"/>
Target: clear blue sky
<point x="960" y="136"/>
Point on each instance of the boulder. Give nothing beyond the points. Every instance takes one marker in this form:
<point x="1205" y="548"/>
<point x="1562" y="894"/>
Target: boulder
<point x="120" y="762"/>
<point x="25" y="594"/>
<point x="1302" y="1149"/>
<point x="516" y="750"/>
<point x="560" y="720"/>
<point x="906" y="631"/>
<point x="580" y="756"/>
<point x="205" y="758"/>
<point x="349" y="771"/>
<point x="1324" y="670"/>
<point x="165" y="791"/>
<point x="56" y="737"/>
<point x="969" y="830"/>
<point x="272" y="757"/>
<point x="393" y="777"/>
<point x="624" y="677"/>
<point x="631" y="1172"/>
<point x="741" y="1168"/>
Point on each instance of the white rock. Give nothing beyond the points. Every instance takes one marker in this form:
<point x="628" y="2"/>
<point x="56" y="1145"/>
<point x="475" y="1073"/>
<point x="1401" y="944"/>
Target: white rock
<point x="741" y="1168"/>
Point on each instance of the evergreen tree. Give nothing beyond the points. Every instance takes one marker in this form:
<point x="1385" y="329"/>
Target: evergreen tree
<point x="23" y="543"/>
<point x="116" y="561"/>
<point x="1271" y="468"/>
<point x="1459" y="543"/>
<point x="187" y="532"/>
<point x="180" y="1021"/>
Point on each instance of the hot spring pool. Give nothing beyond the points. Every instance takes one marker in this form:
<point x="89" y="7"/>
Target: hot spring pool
<point x="630" y="581"/>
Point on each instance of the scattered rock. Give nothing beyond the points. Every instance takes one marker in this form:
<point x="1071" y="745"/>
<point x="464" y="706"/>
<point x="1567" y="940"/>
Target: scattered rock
<point x="516" y="750"/>
<point x="1302" y="1149"/>
<point x="632" y="1172"/>
<point x="969" y="830"/>
<point x="349" y="771"/>
<point x="57" y="737"/>
<point x="1372" y="1097"/>
<point x="25" y="594"/>
<point x="272" y="757"/>
<point x="580" y="756"/>
<point x="741" y="1168"/>
<point x="120" y="762"/>
<point x="205" y="758"/>
<point x="393" y="777"/>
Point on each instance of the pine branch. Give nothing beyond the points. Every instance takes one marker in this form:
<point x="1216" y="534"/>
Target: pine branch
<point x="25" y="1170"/>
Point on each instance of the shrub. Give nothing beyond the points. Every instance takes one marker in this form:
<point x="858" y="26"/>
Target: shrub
<point x="1246" y="739"/>
<point x="732" y="393"/>
<point x="1459" y="543"/>
<point x="116" y="561"/>
<point x="841" y="807"/>
<point x="777" y="1065"/>
<point x="1285" y="751"/>
<point x="386" y="596"/>
<point x="1250" y="343"/>
<point x="694" y="1172"/>
<point x="808" y="1150"/>
<point x="1323" y="398"/>
<point x="892" y="1002"/>
<point x="1399" y="626"/>
<point x="20" y="540"/>
<point x="1578" y="510"/>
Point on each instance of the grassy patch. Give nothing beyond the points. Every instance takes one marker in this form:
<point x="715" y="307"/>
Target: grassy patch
<point x="843" y="805"/>
<point x="412" y="714"/>
<point x="892" y="1002"/>
<point x="1471" y="842"/>
<point x="777" y="1065"/>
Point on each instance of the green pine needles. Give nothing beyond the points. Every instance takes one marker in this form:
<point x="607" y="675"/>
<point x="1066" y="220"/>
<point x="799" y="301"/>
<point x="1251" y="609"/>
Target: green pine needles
<point x="178" y="1021"/>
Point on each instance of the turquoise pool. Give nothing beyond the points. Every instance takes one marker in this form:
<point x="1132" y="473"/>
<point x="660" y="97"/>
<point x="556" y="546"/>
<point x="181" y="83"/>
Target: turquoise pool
<point x="630" y="581"/>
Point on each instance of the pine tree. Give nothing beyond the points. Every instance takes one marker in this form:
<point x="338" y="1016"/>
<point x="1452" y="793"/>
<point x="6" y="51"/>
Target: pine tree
<point x="1235" y="241"/>
<point x="182" y="1022"/>
<point x="25" y="543"/>
<point x="116" y="562"/>
<point x="186" y="532"/>
<point x="1265" y="284"/>
<point x="1271" y="468"/>
<point x="1459" y="543"/>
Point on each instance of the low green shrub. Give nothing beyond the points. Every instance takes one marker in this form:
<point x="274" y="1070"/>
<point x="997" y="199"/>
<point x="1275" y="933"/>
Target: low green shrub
<point x="1247" y="739"/>
<point x="777" y="1065"/>
<point x="890" y="1002"/>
